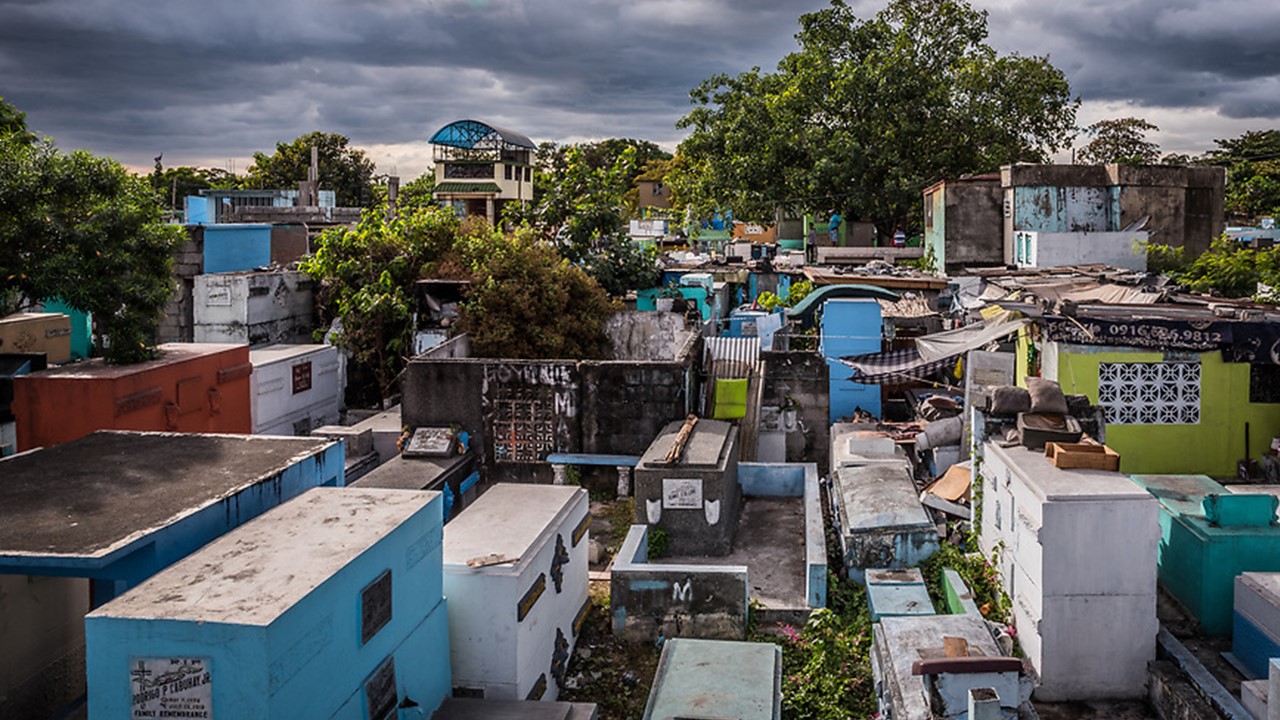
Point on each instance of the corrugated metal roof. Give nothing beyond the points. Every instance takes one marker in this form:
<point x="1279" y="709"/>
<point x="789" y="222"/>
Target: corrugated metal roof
<point x="461" y="187"/>
<point x="745" y="350"/>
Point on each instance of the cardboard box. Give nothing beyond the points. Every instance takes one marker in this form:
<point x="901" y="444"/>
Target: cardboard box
<point x="1082" y="455"/>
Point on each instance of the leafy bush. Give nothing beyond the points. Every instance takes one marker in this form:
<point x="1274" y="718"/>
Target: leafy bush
<point x="977" y="571"/>
<point x="658" y="543"/>
<point x="826" y="665"/>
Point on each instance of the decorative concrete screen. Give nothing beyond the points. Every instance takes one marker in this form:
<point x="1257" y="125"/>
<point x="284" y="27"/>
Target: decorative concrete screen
<point x="1165" y="393"/>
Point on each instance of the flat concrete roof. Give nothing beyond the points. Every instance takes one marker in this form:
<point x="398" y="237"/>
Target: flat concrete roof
<point x="91" y="496"/>
<point x="255" y="573"/>
<point x="170" y="354"/>
<point x="402" y="473"/>
<point x="506" y="520"/>
<point x="276" y="353"/>
<point x="705" y="448"/>
<point x="1053" y="483"/>
<point x="716" y="679"/>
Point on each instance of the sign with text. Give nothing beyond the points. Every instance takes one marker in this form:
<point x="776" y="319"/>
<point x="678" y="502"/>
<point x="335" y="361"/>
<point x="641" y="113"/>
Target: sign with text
<point x="681" y="494"/>
<point x="171" y="688"/>
<point x="301" y="377"/>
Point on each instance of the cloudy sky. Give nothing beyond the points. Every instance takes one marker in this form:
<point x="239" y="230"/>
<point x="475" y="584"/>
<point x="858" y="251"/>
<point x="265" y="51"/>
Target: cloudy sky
<point x="209" y="82"/>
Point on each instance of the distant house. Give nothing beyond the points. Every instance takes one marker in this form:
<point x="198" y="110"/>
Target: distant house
<point x="653" y="194"/>
<point x="480" y="167"/>
<point x="1181" y="206"/>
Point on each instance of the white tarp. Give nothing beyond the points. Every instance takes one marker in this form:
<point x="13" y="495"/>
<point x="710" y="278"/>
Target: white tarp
<point x="955" y="342"/>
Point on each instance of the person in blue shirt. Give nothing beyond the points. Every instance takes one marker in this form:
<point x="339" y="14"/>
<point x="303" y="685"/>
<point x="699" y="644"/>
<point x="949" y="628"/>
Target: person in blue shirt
<point x="833" y="228"/>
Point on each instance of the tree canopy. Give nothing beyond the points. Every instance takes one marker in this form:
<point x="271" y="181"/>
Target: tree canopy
<point x="1253" y="173"/>
<point x="581" y="209"/>
<point x="869" y="111"/>
<point x="526" y="301"/>
<point x="342" y="168"/>
<point x="1120" y="140"/>
<point x="83" y="229"/>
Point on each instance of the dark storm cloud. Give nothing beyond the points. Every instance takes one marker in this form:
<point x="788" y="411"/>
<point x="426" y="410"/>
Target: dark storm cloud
<point x="1156" y="53"/>
<point x="221" y="79"/>
<point x="202" y="81"/>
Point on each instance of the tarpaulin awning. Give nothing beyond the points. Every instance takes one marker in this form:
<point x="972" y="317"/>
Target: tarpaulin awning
<point x="955" y="342"/>
<point x="931" y="353"/>
<point x="895" y="366"/>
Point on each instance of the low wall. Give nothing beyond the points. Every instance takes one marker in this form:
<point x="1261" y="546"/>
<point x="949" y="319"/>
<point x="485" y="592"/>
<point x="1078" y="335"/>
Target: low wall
<point x="519" y="411"/>
<point x="649" y="601"/>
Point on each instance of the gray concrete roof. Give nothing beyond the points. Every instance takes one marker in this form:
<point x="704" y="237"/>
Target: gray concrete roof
<point x="90" y="496"/>
<point x="278" y="352"/>
<point x="706" y="446"/>
<point x="506" y="520"/>
<point x="716" y="679"/>
<point x="255" y="573"/>
<point x="404" y="473"/>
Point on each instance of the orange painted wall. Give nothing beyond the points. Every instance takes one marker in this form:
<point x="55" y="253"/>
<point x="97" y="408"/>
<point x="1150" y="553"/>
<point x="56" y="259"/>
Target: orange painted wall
<point x="191" y="387"/>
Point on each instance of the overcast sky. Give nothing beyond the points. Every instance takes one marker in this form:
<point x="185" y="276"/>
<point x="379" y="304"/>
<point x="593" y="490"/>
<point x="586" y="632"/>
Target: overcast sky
<point x="209" y="82"/>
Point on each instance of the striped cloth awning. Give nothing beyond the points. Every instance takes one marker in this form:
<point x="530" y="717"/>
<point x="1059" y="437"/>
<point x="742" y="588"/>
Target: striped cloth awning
<point x="895" y="366"/>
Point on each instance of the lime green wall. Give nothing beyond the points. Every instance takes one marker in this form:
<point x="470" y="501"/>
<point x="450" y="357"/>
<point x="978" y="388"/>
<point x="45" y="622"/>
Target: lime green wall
<point x="1022" y="360"/>
<point x="1211" y="448"/>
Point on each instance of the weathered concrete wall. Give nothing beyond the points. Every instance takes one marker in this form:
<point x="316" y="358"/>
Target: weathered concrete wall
<point x="1185" y="204"/>
<point x="637" y="335"/>
<point x="801" y="379"/>
<point x="972" y="223"/>
<point x="178" y="322"/>
<point x="254" y="307"/>
<point x="42" y="633"/>
<point x="288" y="243"/>
<point x="649" y="600"/>
<point x="625" y="405"/>
<point x="519" y="411"/>
<point x="1054" y="249"/>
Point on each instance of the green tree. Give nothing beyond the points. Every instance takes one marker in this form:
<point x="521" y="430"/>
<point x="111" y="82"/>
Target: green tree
<point x="418" y="192"/>
<point x="1253" y="173"/>
<point x="175" y="183"/>
<point x="869" y="111"/>
<point x="342" y="168"/>
<point x="1120" y="140"/>
<point x="83" y="229"/>
<point x="529" y="302"/>
<point x="526" y="301"/>
<point x="582" y="211"/>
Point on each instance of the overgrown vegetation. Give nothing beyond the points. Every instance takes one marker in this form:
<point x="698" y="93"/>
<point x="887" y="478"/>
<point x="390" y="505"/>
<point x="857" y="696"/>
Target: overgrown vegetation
<point x="614" y="674"/>
<point x="826" y="665"/>
<point x="525" y="300"/>
<point x="978" y="573"/>
<point x="798" y="291"/>
<point x="1226" y="269"/>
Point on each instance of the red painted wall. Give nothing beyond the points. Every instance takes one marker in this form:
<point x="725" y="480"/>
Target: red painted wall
<point x="191" y="387"/>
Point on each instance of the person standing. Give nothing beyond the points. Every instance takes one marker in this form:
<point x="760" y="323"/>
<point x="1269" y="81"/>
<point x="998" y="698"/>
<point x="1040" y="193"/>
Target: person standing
<point x="833" y="228"/>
